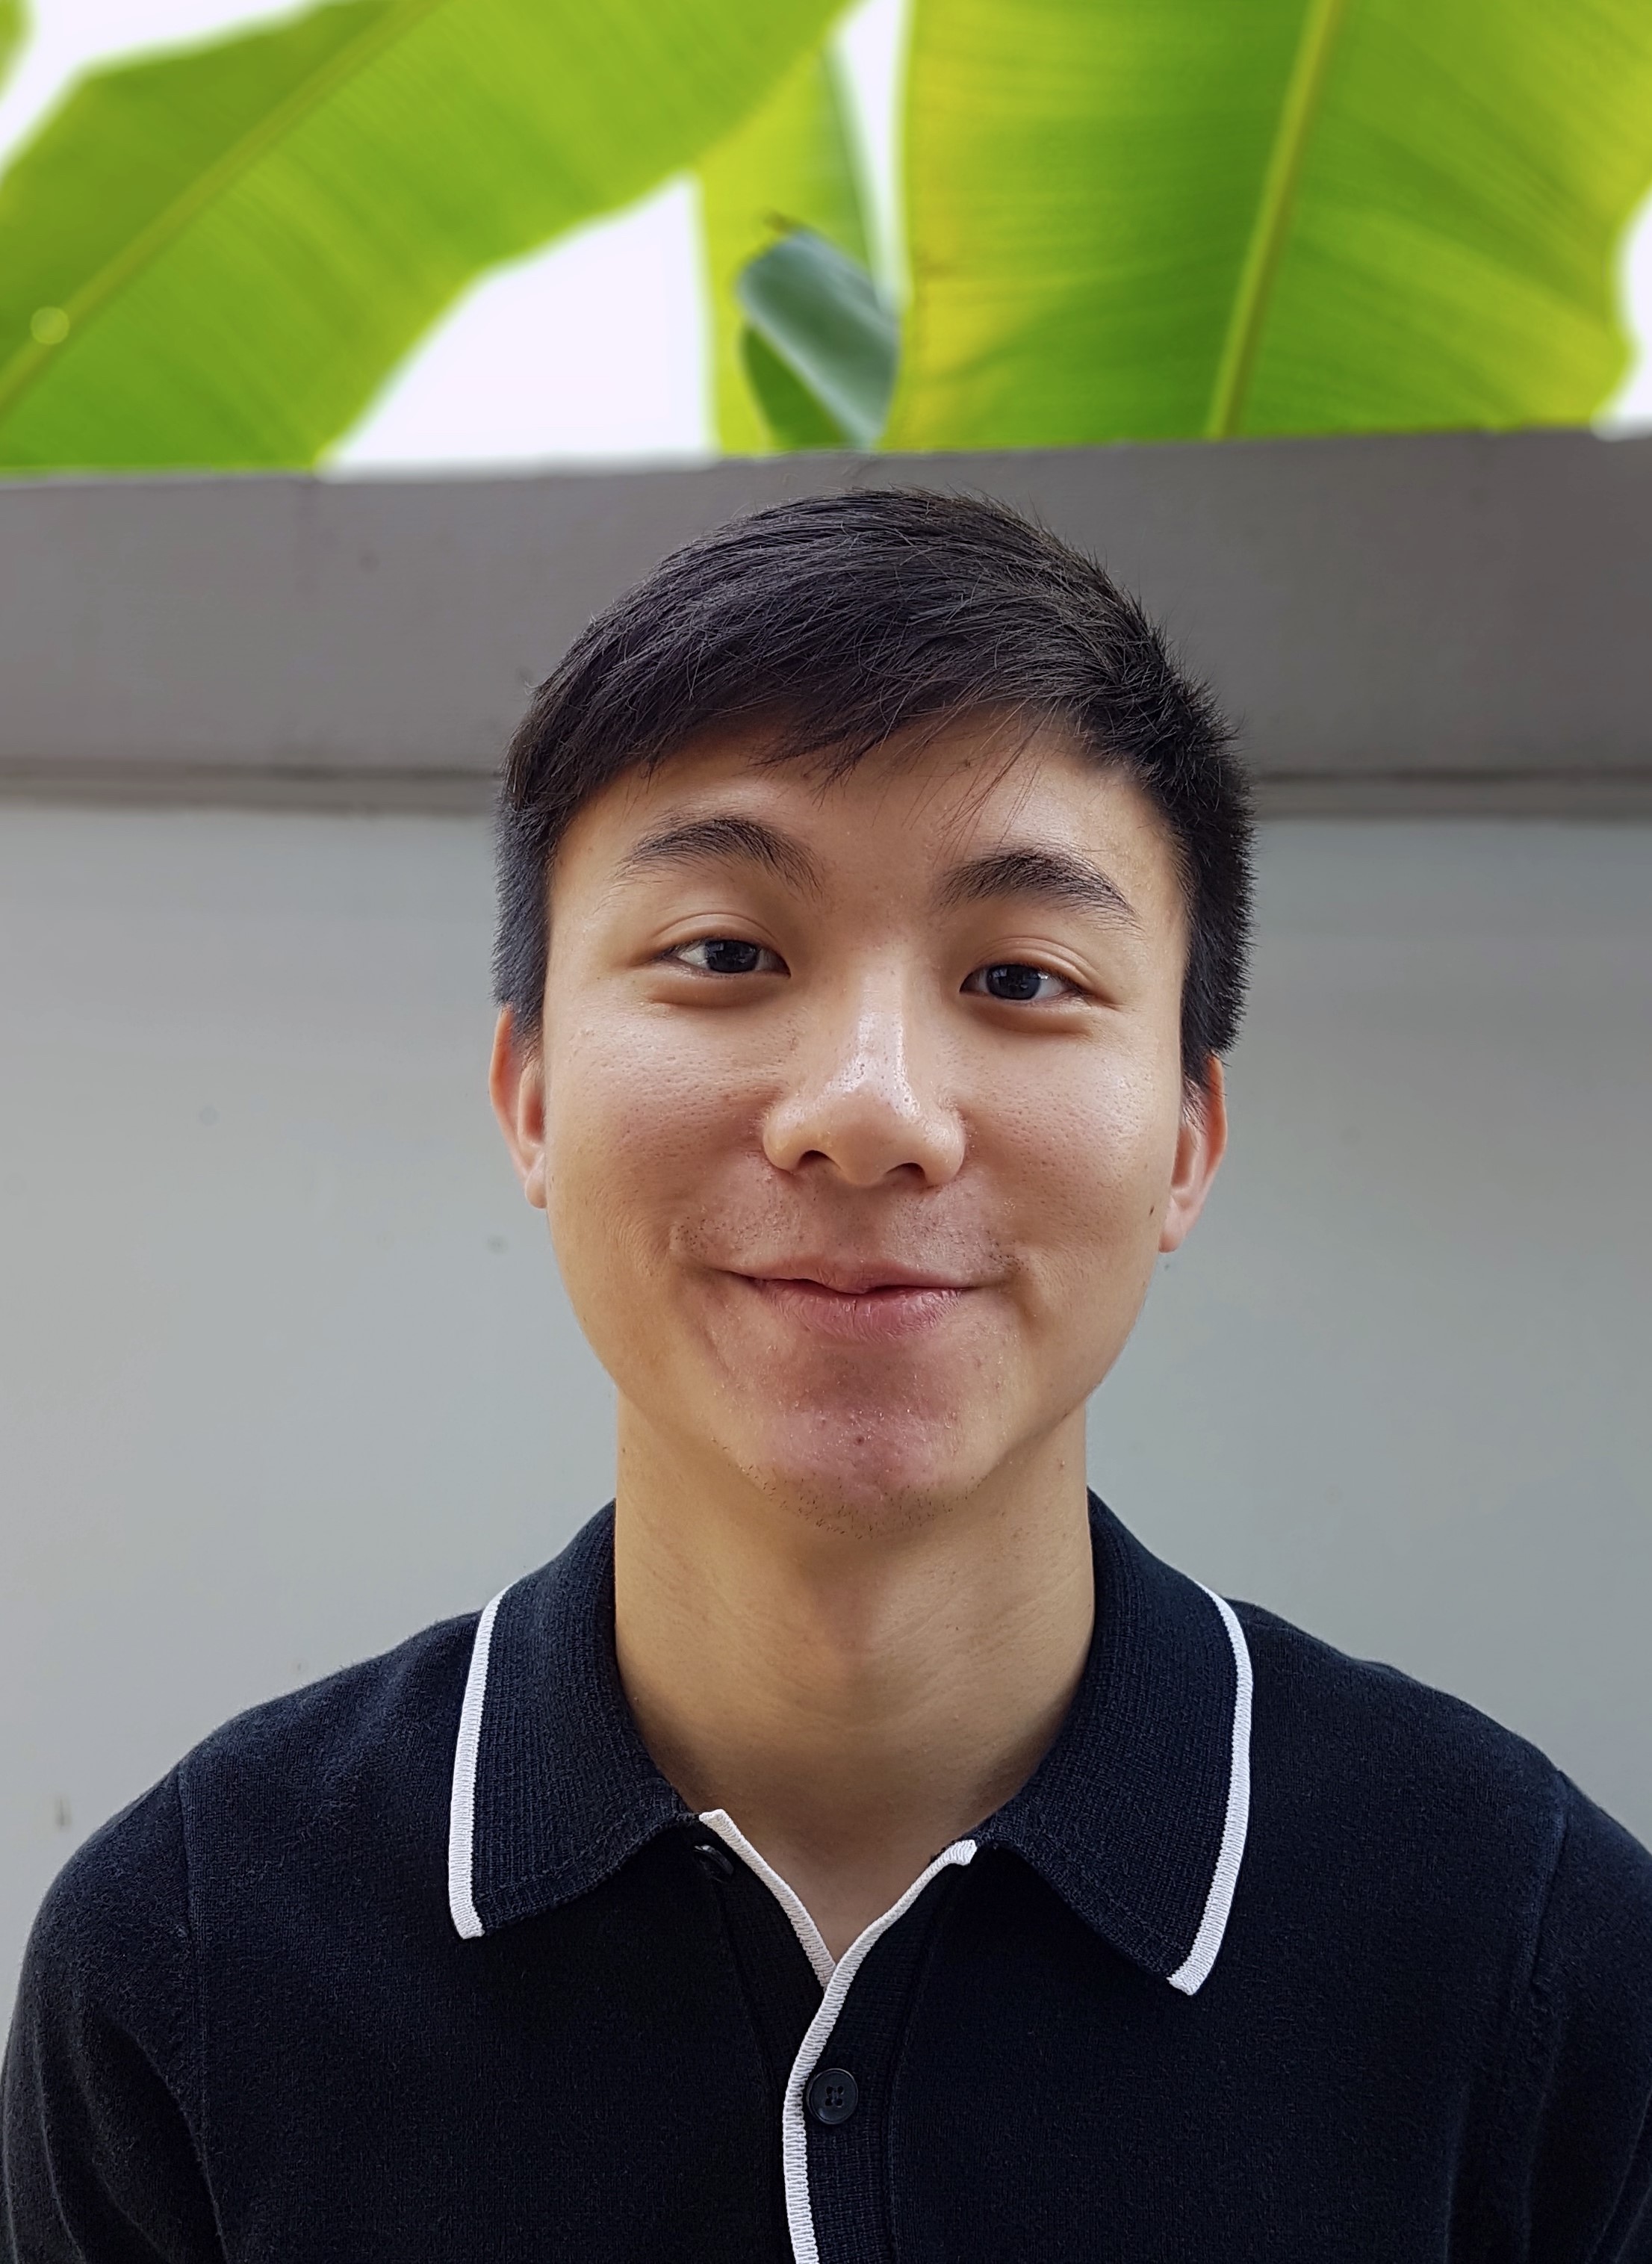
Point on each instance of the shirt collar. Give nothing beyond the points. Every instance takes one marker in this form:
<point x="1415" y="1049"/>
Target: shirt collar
<point x="1135" y="1817"/>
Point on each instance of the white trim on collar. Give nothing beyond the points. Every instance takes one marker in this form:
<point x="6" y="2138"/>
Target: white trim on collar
<point x="822" y="1961"/>
<point x="1196" y="1966"/>
<point x="461" y="1813"/>
<point x="1188" y="1976"/>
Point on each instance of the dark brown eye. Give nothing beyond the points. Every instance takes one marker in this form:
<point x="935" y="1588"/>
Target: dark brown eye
<point x="1017" y="983"/>
<point x="725" y="954"/>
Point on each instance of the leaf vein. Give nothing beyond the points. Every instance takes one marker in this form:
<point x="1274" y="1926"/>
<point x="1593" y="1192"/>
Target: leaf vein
<point x="1299" y="112"/>
<point x="27" y="364"/>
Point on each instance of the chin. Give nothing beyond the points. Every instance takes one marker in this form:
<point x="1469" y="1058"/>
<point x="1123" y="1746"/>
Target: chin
<point x="873" y="1474"/>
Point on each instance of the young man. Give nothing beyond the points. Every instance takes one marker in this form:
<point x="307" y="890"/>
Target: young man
<point x="855" y="1845"/>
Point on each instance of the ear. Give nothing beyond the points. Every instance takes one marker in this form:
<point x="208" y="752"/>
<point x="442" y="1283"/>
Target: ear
<point x="1201" y="1142"/>
<point x="516" y="1086"/>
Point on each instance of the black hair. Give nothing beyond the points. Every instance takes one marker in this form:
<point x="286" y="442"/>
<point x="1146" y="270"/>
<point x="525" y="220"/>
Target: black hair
<point x="842" y="620"/>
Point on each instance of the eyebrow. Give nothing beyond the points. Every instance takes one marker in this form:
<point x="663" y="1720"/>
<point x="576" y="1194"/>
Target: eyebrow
<point x="1057" y="876"/>
<point x="725" y="839"/>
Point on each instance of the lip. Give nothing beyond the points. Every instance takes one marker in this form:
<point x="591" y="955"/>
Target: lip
<point x="879" y="1303"/>
<point x="853" y="1280"/>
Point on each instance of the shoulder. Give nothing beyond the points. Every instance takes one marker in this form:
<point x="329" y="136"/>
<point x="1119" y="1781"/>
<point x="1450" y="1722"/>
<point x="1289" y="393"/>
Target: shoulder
<point x="1331" y="1733"/>
<point x="1421" y="1852"/>
<point x="1422" y="1867"/>
<point x="1380" y="1805"/>
<point x="111" y="1935"/>
<point x="299" y="1773"/>
<point x="326" y="1744"/>
<point x="328" y="1807"/>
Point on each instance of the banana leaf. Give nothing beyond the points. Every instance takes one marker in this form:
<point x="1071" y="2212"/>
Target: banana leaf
<point x="793" y="413"/>
<point x="817" y="319"/>
<point x="793" y="164"/>
<point x="218" y="255"/>
<point x="13" y="26"/>
<point x="1289" y="216"/>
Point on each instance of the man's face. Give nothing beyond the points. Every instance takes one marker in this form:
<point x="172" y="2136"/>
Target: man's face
<point x="857" y="1115"/>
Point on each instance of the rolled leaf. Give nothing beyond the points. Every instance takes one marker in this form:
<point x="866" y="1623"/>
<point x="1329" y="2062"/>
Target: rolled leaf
<point x="792" y="416"/>
<point x="1328" y="215"/>
<point x="217" y="257"/>
<point x="793" y="163"/>
<point x="826" y="320"/>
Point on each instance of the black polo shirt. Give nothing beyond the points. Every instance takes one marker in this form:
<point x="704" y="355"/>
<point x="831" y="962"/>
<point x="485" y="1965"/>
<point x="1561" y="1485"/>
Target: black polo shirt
<point x="1277" y="1955"/>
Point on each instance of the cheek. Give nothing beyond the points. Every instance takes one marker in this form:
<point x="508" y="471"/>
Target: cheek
<point x="635" y="1130"/>
<point x="1090" y="1158"/>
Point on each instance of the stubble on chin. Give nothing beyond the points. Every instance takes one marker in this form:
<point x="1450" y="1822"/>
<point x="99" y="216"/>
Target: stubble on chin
<point x="874" y="1473"/>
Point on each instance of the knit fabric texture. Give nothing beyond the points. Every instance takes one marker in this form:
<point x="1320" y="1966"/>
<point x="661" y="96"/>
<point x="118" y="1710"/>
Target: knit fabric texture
<point x="250" y="2031"/>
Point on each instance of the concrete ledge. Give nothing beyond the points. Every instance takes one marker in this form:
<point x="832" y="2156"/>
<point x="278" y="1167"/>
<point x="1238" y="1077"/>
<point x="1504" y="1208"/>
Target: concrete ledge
<point x="1597" y="797"/>
<point x="1449" y="624"/>
<point x="245" y="786"/>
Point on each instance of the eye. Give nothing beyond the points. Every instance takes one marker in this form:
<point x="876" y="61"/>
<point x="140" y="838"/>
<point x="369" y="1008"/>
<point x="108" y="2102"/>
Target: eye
<point x="1013" y="980"/>
<point x="728" y="954"/>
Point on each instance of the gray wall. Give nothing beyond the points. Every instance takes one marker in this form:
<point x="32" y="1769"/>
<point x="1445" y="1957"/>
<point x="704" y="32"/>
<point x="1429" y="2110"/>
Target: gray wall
<point x="285" y="1371"/>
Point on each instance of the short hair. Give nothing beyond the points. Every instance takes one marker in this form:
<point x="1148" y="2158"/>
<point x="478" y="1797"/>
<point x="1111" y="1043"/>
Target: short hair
<point x="841" y="620"/>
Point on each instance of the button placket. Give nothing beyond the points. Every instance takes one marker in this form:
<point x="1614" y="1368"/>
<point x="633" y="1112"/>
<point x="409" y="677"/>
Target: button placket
<point x="835" y="1978"/>
<point x="843" y="2133"/>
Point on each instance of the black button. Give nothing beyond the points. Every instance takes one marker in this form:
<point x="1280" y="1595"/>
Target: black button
<point x="833" y="2095"/>
<point x="714" y="1858"/>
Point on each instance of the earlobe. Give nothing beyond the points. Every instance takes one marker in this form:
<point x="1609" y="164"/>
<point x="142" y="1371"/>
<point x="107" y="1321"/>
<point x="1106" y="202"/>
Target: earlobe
<point x="1201" y="1142"/>
<point x="515" y="1086"/>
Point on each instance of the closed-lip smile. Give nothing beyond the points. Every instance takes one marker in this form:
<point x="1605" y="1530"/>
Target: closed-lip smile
<point x="869" y="1301"/>
<point x="856" y="1281"/>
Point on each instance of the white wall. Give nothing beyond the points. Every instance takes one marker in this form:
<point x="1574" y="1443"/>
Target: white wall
<point x="285" y="1371"/>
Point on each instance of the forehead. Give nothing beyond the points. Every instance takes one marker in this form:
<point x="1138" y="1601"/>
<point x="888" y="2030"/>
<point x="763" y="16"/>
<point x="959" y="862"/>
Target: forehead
<point x="908" y="810"/>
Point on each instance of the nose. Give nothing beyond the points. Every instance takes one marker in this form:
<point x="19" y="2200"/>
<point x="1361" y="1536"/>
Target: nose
<point x="861" y="1091"/>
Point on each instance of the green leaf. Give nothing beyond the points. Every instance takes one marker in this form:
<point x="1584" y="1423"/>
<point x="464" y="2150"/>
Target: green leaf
<point x="792" y="416"/>
<point x="1330" y="216"/>
<point x="217" y="257"/>
<point x="794" y="164"/>
<point x="827" y="321"/>
<point x="13" y="24"/>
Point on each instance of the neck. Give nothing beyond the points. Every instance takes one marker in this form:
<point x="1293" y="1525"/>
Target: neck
<point x="855" y="1700"/>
